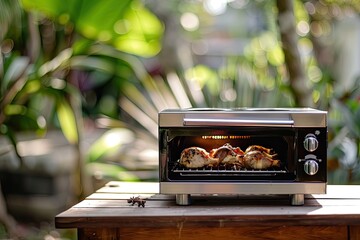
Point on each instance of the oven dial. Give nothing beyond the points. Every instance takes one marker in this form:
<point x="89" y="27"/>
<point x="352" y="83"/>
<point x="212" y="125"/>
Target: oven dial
<point x="311" y="167"/>
<point x="310" y="142"/>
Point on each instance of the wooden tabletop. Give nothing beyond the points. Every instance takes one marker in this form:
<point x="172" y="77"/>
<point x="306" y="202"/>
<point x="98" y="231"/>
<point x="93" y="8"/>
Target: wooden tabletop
<point x="108" y="208"/>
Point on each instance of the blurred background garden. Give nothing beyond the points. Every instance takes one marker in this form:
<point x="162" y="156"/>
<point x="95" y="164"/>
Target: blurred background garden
<point x="82" y="82"/>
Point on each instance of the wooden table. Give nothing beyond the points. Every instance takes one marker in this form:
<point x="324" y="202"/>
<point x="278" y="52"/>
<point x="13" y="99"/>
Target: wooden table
<point x="107" y="215"/>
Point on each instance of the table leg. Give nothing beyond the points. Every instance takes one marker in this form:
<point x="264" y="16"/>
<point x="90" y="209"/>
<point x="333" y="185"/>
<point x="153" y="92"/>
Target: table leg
<point x="354" y="232"/>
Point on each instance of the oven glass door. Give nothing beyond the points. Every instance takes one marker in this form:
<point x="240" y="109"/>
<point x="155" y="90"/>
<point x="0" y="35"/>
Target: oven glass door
<point x="228" y="154"/>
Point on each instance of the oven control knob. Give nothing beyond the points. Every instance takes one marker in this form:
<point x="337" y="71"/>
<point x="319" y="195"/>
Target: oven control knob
<point x="310" y="142"/>
<point x="311" y="167"/>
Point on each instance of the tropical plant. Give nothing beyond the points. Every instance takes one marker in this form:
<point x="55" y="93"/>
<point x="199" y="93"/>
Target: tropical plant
<point x="55" y="70"/>
<point x="48" y="48"/>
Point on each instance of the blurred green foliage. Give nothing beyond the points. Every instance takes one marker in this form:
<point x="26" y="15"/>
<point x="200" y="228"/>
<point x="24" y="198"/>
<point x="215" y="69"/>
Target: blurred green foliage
<point x="34" y="68"/>
<point x="126" y="25"/>
<point x="63" y="61"/>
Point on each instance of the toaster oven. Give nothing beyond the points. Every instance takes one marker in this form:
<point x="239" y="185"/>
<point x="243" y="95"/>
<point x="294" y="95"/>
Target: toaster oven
<point x="242" y="151"/>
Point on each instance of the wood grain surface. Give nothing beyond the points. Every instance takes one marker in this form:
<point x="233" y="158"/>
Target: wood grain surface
<point x="106" y="214"/>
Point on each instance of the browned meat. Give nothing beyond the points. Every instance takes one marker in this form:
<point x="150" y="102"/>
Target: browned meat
<point x="258" y="148"/>
<point x="238" y="151"/>
<point x="195" y="157"/>
<point x="259" y="160"/>
<point x="227" y="155"/>
<point x="255" y="157"/>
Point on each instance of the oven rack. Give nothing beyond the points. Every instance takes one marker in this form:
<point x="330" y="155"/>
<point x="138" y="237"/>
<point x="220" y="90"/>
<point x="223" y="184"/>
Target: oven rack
<point x="227" y="171"/>
<point x="177" y="168"/>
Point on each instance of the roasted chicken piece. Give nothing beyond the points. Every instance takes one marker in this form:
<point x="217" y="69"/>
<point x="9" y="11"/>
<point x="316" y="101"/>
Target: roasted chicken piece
<point x="196" y="157"/>
<point x="255" y="157"/>
<point x="258" y="148"/>
<point x="238" y="151"/>
<point x="228" y="155"/>
<point x="259" y="160"/>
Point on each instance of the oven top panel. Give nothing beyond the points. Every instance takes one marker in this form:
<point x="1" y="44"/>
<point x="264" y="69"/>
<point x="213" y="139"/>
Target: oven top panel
<point x="237" y="117"/>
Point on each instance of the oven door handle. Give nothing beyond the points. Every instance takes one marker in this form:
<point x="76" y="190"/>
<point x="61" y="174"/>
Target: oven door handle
<point x="238" y="122"/>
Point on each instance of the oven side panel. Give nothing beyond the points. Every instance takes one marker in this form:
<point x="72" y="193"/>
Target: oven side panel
<point x="163" y="154"/>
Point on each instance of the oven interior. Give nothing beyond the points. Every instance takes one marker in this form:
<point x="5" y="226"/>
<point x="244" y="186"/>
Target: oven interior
<point x="281" y="141"/>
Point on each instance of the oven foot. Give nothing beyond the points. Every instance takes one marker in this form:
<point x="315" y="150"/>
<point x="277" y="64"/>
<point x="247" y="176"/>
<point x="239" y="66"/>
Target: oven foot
<point x="183" y="199"/>
<point x="297" y="199"/>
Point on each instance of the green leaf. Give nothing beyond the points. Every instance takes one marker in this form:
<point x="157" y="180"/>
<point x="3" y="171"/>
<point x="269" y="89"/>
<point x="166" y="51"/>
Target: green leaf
<point x="109" y="142"/>
<point x="15" y="71"/>
<point x="60" y="60"/>
<point x="14" y="109"/>
<point x="22" y="118"/>
<point x="97" y="19"/>
<point x="125" y="24"/>
<point x="67" y="121"/>
<point x="204" y="75"/>
<point x="142" y="32"/>
<point x="88" y="62"/>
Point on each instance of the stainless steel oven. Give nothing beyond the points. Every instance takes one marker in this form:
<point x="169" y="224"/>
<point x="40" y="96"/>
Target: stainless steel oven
<point x="242" y="151"/>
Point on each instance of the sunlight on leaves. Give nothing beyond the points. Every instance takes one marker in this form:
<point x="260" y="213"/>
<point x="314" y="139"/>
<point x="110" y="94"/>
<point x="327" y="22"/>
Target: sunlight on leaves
<point x="67" y="121"/>
<point x="32" y="86"/>
<point x="109" y="142"/>
<point x="131" y="28"/>
<point x="142" y="32"/>
<point x="60" y="60"/>
<point x="276" y="56"/>
<point x="15" y="110"/>
<point x="203" y="75"/>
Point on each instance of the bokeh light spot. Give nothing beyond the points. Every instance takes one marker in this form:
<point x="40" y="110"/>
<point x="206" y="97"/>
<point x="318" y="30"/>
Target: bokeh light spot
<point x="189" y="21"/>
